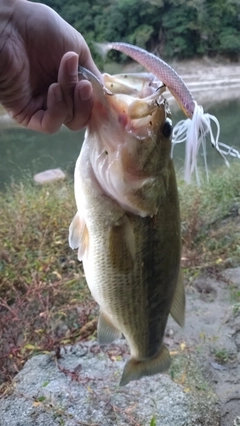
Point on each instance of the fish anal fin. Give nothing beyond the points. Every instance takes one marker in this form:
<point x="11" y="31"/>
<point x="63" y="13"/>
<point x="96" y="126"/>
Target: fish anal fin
<point x="178" y="304"/>
<point x="122" y="246"/>
<point x="78" y="235"/>
<point x="106" y="331"/>
<point x="135" y="369"/>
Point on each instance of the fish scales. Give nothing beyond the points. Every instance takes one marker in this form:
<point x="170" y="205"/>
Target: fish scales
<point x="129" y="239"/>
<point x="125" y="296"/>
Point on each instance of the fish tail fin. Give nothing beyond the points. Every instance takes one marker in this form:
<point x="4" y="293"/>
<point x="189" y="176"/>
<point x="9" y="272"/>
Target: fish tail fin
<point x="135" y="369"/>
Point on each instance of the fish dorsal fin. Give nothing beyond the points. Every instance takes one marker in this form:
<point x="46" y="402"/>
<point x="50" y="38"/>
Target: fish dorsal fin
<point x="135" y="369"/>
<point x="78" y="235"/>
<point x="106" y="331"/>
<point x="122" y="246"/>
<point x="178" y="304"/>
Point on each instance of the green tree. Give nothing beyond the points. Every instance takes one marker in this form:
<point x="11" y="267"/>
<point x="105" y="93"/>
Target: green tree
<point x="173" y="28"/>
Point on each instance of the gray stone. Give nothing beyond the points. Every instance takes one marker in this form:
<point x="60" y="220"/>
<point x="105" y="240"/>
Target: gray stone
<point x="82" y="388"/>
<point x="49" y="176"/>
<point x="233" y="274"/>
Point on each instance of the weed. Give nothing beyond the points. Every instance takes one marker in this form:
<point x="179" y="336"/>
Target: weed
<point x="210" y="222"/>
<point x="236" y="309"/>
<point x="153" y="421"/>
<point x="44" y="299"/>
<point x="235" y="294"/>
<point x="235" y="299"/>
<point x="222" y="356"/>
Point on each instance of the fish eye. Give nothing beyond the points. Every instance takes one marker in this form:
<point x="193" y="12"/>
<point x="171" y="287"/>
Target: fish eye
<point x="167" y="128"/>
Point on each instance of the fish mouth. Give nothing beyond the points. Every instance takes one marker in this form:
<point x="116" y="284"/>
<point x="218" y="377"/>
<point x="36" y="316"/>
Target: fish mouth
<point x="128" y="100"/>
<point x="135" y="99"/>
<point x="129" y="152"/>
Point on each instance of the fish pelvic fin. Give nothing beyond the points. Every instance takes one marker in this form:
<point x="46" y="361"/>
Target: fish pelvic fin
<point x="106" y="331"/>
<point x="179" y="301"/>
<point x="78" y="235"/>
<point x="135" y="369"/>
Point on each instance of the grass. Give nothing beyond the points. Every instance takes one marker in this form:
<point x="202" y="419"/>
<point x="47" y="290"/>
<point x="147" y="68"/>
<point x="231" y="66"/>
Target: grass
<point x="44" y="300"/>
<point x="222" y="355"/>
<point x="211" y="222"/>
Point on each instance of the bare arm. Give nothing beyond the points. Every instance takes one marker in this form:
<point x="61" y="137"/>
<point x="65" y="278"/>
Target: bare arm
<point x="39" y="56"/>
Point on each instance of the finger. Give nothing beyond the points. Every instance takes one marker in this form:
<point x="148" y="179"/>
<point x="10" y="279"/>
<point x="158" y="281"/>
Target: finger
<point x="51" y="119"/>
<point x="68" y="78"/>
<point x="77" y="94"/>
<point x="82" y="106"/>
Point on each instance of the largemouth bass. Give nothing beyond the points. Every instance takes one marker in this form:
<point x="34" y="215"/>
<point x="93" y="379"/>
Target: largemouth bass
<point x="127" y="227"/>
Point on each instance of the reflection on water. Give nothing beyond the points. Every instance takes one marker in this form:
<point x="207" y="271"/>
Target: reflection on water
<point x="24" y="153"/>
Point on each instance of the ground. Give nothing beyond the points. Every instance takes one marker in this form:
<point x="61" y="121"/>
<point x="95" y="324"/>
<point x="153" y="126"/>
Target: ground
<point x="212" y="333"/>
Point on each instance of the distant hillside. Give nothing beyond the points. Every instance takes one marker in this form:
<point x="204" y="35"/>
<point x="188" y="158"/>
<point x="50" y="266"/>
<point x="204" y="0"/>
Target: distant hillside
<point x="171" y="28"/>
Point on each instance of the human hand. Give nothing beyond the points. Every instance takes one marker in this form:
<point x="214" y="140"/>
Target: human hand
<point x="39" y="57"/>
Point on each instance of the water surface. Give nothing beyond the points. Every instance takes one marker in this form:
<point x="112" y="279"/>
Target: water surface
<point x="24" y="152"/>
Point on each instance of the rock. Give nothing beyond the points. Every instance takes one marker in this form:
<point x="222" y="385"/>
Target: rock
<point x="49" y="176"/>
<point x="81" y="388"/>
<point x="233" y="274"/>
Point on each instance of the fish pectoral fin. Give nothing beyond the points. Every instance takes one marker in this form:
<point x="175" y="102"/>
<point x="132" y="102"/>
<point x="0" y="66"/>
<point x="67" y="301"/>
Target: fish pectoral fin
<point x="78" y="235"/>
<point x="178" y="304"/>
<point x="106" y="331"/>
<point x="135" y="369"/>
<point x="122" y="246"/>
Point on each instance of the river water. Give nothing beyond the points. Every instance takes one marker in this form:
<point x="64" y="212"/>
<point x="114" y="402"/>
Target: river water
<point x="24" y="153"/>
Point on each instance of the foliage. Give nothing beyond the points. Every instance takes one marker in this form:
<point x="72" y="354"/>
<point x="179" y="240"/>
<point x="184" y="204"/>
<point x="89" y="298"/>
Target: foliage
<point x="210" y="222"/>
<point x="41" y="281"/>
<point x="173" y="28"/>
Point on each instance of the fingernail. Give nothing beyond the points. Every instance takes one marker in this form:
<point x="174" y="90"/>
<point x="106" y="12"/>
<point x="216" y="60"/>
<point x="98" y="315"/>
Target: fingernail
<point x="58" y="94"/>
<point x="85" y="91"/>
<point x="72" y="65"/>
